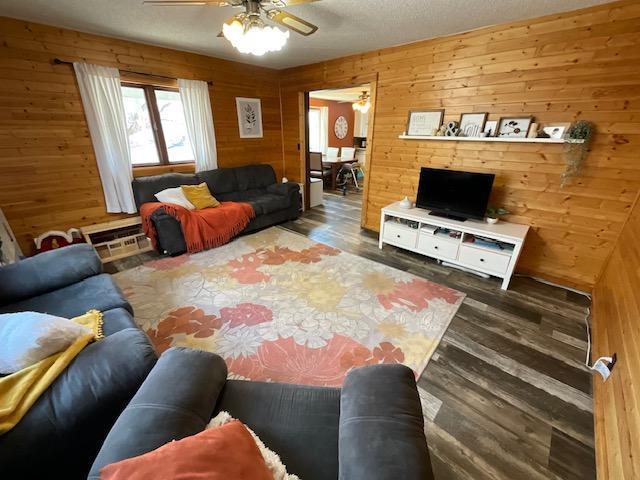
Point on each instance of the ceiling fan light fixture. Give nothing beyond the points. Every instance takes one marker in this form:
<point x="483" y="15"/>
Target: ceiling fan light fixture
<point x="254" y="37"/>
<point x="363" y="104"/>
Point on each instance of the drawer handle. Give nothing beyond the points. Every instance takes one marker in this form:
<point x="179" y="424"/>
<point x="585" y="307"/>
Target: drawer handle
<point x="398" y="236"/>
<point x="482" y="259"/>
<point x="436" y="247"/>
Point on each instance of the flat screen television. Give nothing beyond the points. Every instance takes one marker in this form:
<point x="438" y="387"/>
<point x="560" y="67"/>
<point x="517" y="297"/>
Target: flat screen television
<point x="454" y="194"/>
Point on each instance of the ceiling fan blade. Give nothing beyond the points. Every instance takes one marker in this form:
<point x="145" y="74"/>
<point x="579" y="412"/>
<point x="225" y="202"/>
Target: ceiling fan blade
<point x="292" y="22"/>
<point x="182" y="3"/>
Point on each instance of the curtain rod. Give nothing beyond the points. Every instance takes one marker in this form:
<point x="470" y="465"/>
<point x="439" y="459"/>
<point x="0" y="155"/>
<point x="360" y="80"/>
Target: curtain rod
<point x="57" y="61"/>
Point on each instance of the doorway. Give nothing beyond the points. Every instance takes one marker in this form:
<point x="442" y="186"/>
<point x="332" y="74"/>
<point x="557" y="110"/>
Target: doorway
<point x="337" y="131"/>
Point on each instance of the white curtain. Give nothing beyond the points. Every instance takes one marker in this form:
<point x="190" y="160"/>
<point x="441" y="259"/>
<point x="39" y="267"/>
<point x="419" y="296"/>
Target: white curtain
<point x="104" y="109"/>
<point x="199" y="119"/>
<point x="324" y="129"/>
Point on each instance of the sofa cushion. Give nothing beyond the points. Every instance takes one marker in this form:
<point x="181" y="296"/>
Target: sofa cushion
<point x="300" y="423"/>
<point x="115" y="320"/>
<point x="145" y="188"/>
<point x="269" y="203"/>
<point x="222" y="180"/>
<point x="66" y="426"/>
<point x="231" y="197"/>
<point x="28" y="337"/>
<point x="226" y="452"/>
<point x="47" y="271"/>
<point x="98" y="292"/>
<point x="255" y="176"/>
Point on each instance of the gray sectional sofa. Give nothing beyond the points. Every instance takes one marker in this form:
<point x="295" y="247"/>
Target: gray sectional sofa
<point x="115" y="402"/>
<point x="371" y="429"/>
<point x="61" y="434"/>
<point x="272" y="202"/>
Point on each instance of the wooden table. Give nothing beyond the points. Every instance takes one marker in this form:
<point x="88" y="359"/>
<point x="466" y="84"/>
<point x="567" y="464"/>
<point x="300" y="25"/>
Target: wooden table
<point x="335" y="163"/>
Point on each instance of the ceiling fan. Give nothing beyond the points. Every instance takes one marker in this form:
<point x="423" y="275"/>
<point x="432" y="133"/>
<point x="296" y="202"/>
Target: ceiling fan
<point x="247" y="30"/>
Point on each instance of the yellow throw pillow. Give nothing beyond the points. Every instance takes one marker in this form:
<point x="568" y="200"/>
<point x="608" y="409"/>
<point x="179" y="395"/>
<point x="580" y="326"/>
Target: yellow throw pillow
<point x="199" y="195"/>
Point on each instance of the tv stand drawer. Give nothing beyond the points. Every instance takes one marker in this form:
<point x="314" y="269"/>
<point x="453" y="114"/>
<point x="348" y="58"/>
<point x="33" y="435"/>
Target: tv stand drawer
<point x="433" y="246"/>
<point x="484" y="260"/>
<point x="400" y="235"/>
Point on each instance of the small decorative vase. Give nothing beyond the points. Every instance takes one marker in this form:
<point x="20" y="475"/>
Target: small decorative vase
<point x="406" y="203"/>
<point x="492" y="221"/>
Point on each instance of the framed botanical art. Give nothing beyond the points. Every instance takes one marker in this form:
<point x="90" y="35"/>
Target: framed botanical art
<point x="249" y="117"/>
<point x="556" y="130"/>
<point x="514" y="127"/>
<point x="472" y="124"/>
<point x="424" y="122"/>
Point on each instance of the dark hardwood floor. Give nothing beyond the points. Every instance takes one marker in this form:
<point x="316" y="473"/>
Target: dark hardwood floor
<point x="506" y="393"/>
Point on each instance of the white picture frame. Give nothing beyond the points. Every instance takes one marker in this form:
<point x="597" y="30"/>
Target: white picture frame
<point x="424" y="122"/>
<point x="514" y="127"/>
<point x="249" y="117"/>
<point x="472" y="124"/>
<point x="557" y="130"/>
<point x="490" y="128"/>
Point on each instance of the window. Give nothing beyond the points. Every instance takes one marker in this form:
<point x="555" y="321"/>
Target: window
<point x="155" y="125"/>
<point x="314" y="130"/>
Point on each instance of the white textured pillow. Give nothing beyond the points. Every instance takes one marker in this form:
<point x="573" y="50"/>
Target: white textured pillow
<point x="176" y="196"/>
<point x="28" y="337"/>
<point x="274" y="464"/>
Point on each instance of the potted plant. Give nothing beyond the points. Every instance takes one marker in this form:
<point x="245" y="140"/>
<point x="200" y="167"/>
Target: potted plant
<point x="494" y="214"/>
<point x="576" y="149"/>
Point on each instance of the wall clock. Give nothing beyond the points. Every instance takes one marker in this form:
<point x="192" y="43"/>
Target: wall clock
<point x="341" y="127"/>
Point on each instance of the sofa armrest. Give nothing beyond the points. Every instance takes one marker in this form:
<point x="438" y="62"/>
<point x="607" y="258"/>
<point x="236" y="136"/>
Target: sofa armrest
<point x="285" y="189"/>
<point x="48" y="271"/>
<point x="381" y="426"/>
<point x="175" y="401"/>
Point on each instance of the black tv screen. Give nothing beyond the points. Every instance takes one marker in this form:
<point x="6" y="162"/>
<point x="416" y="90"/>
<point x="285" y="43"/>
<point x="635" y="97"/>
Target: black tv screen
<point x="454" y="194"/>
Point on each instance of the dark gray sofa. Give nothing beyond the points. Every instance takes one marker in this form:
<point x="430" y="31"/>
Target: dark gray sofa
<point x="272" y="202"/>
<point x="61" y="434"/>
<point x="371" y="429"/>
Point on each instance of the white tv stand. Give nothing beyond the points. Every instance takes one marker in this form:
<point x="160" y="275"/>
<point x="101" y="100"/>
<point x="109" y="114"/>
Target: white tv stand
<point x="413" y="229"/>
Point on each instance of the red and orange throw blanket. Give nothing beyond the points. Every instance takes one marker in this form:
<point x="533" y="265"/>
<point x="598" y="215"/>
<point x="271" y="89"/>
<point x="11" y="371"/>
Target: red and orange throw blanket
<point x="202" y="229"/>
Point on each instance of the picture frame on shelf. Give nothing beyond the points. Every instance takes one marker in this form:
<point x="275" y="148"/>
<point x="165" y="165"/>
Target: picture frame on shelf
<point x="424" y="122"/>
<point x="490" y="128"/>
<point x="514" y="127"/>
<point x="249" y="117"/>
<point x="472" y="124"/>
<point x="556" y="130"/>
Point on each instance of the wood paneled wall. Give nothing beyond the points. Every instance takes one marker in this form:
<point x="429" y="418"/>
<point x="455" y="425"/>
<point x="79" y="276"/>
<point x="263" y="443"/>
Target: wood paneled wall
<point x="616" y="329"/>
<point x="560" y="68"/>
<point x="48" y="173"/>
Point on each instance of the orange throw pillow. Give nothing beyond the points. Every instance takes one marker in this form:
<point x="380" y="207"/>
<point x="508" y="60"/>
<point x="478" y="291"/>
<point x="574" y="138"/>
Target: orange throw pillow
<point x="223" y="453"/>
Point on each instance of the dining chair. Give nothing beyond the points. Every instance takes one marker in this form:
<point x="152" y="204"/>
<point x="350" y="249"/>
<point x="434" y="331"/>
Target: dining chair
<point x="347" y="153"/>
<point x="332" y="152"/>
<point x="316" y="170"/>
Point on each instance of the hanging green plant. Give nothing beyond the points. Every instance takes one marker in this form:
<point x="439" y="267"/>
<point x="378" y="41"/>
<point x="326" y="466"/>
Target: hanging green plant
<point x="575" y="151"/>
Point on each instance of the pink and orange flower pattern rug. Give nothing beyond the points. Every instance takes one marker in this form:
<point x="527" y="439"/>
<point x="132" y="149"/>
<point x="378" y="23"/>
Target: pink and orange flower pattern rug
<point x="280" y="307"/>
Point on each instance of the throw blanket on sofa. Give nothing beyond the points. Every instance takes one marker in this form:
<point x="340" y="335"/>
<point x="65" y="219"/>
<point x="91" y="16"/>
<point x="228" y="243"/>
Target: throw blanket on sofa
<point x="202" y="229"/>
<point x="20" y="390"/>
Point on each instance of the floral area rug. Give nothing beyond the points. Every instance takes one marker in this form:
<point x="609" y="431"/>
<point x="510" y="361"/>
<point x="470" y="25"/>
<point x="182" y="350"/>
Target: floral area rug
<point x="279" y="307"/>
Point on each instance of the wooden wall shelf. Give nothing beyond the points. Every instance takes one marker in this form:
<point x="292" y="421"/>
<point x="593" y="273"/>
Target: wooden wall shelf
<point x="488" y="139"/>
